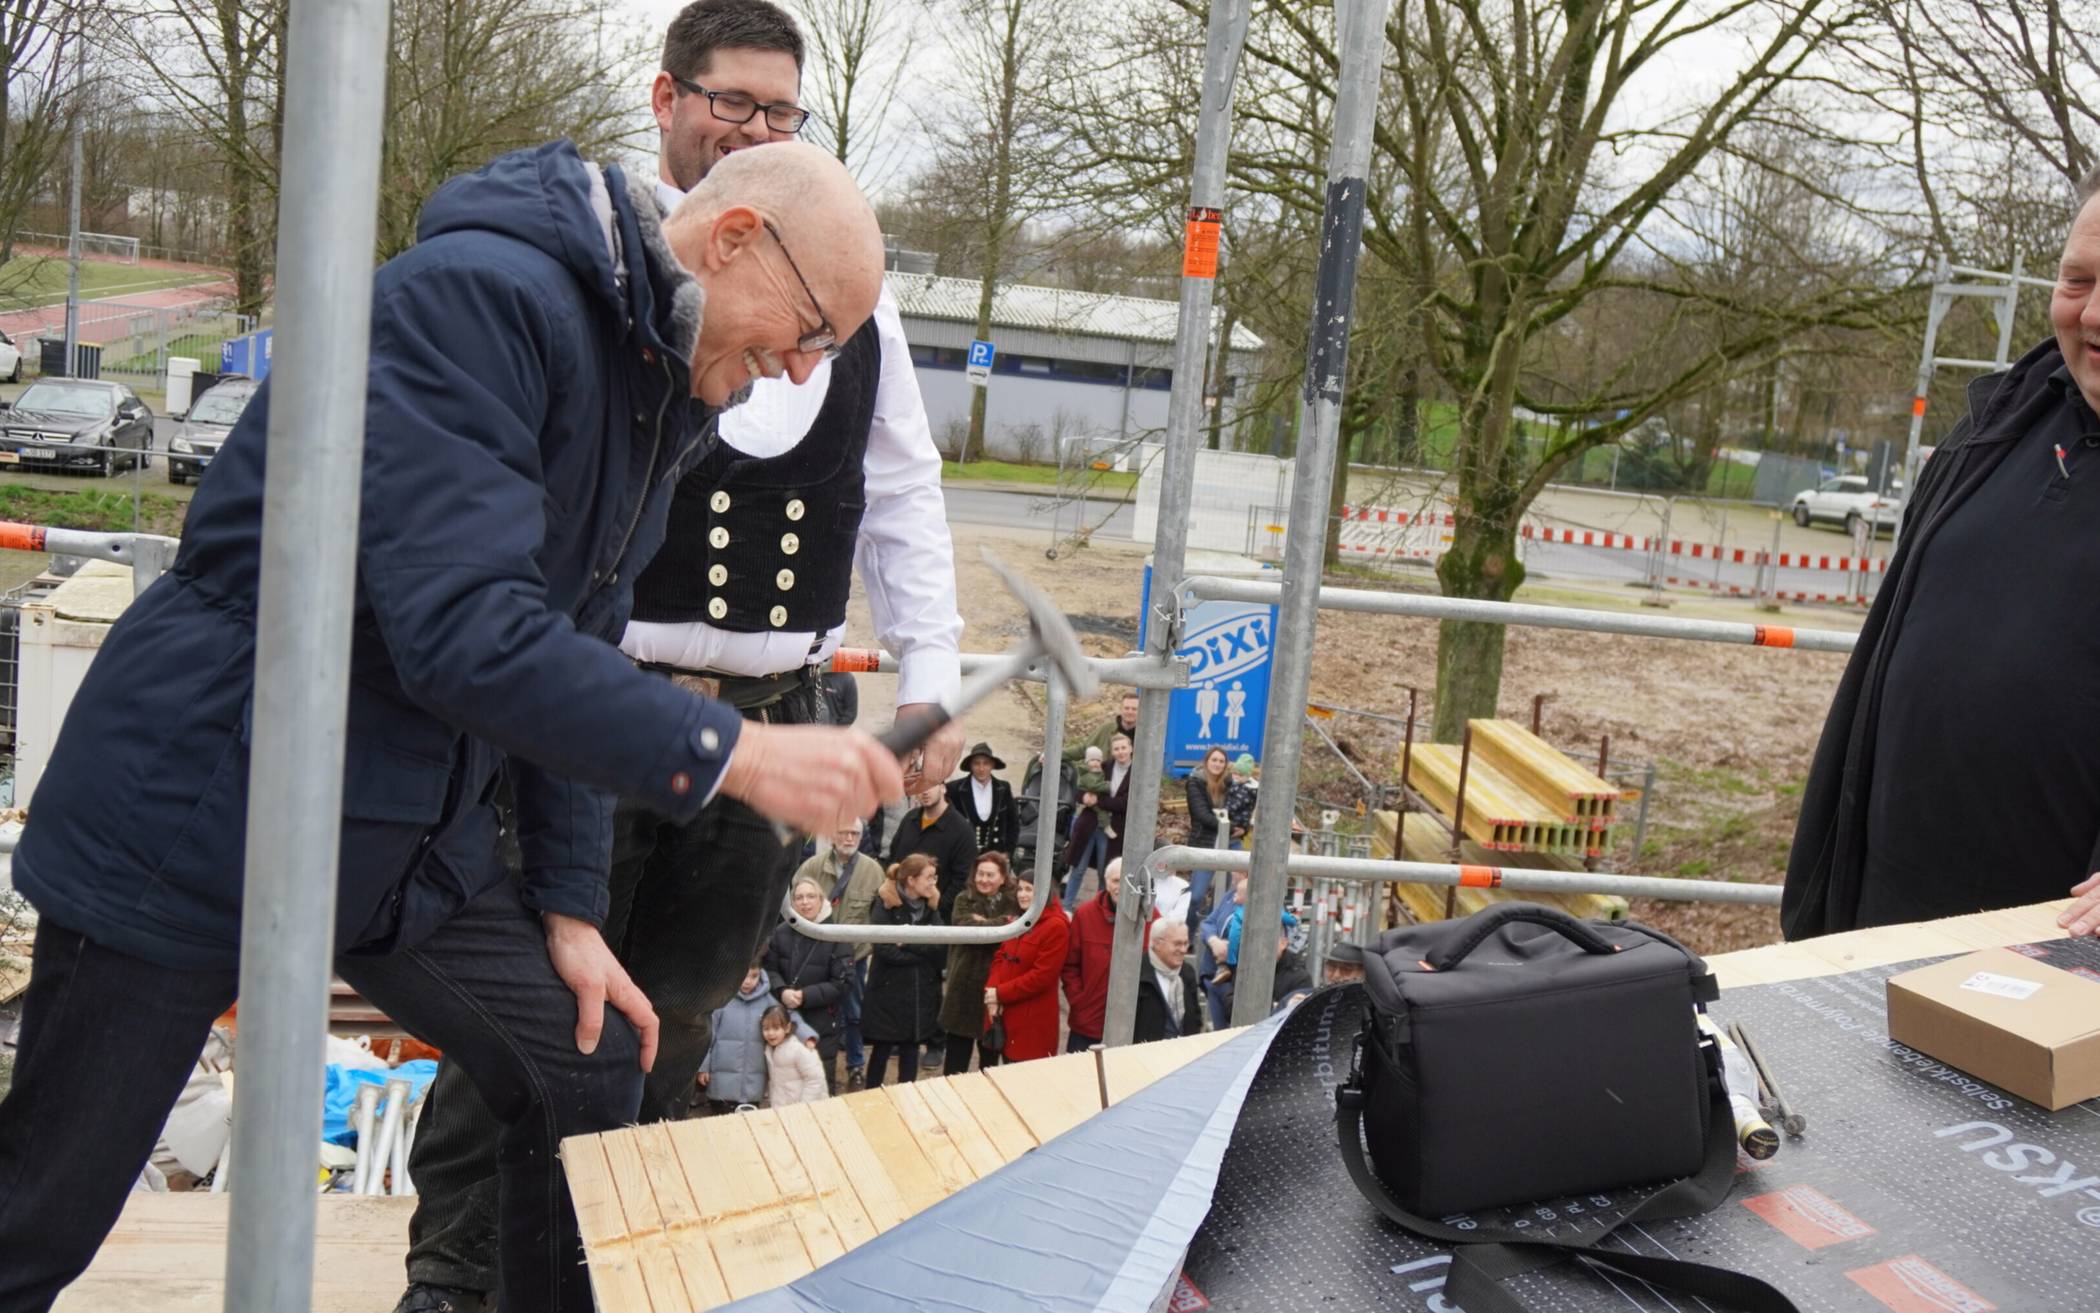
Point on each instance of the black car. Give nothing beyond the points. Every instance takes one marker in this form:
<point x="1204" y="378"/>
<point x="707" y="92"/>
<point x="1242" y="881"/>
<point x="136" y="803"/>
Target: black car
<point x="205" y="426"/>
<point x="76" y="423"/>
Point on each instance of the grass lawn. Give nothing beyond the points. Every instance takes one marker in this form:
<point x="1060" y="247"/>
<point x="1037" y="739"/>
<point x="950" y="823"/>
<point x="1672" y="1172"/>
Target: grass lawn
<point x="34" y="280"/>
<point x="1001" y="471"/>
<point x="106" y="510"/>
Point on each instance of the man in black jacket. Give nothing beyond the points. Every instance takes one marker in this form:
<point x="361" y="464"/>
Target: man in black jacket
<point x="939" y="831"/>
<point x="1958" y="769"/>
<point x="1169" y="1004"/>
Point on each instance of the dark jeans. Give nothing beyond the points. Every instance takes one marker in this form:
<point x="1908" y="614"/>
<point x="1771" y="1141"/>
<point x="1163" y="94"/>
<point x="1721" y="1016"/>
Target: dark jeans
<point x="1094" y="856"/>
<point x="692" y="906"/>
<point x="879" y="1060"/>
<point x="956" y="1060"/>
<point x="856" y="987"/>
<point x="1078" y="1043"/>
<point x="108" y="1041"/>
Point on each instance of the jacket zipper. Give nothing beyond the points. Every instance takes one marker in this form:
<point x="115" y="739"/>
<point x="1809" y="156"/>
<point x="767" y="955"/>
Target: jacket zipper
<point x="656" y="442"/>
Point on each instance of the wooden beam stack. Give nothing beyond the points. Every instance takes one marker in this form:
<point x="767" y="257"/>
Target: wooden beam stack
<point x="1500" y="815"/>
<point x="1543" y="772"/>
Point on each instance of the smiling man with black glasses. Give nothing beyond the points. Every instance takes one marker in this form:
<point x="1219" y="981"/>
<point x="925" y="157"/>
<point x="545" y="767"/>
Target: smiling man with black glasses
<point x="745" y="601"/>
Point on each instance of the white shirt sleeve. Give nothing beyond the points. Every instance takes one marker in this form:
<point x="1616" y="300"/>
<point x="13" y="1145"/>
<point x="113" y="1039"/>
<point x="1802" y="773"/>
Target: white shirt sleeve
<point x="904" y="555"/>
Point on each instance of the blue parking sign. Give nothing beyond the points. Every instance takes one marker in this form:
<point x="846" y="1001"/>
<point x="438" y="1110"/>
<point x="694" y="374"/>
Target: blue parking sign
<point x="981" y="354"/>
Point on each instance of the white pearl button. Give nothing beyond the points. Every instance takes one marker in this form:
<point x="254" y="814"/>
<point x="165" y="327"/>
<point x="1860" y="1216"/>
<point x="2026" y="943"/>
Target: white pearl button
<point x="786" y="580"/>
<point x="789" y="543"/>
<point x="718" y="537"/>
<point x="779" y="616"/>
<point x="794" y="509"/>
<point x="717" y="608"/>
<point x="719" y="502"/>
<point x="718" y="575"/>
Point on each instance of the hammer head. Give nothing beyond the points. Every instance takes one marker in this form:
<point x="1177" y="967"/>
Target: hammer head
<point x="1050" y="630"/>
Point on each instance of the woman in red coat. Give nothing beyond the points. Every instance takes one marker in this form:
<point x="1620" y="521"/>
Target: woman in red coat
<point x="1023" y="985"/>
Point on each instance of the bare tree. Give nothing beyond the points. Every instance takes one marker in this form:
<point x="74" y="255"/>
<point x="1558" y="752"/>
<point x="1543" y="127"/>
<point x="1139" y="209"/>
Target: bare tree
<point x="38" y="40"/>
<point x="997" y="157"/>
<point x="471" y="79"/>
<point x="219" y="63"/>
<point x="858" y="53"/>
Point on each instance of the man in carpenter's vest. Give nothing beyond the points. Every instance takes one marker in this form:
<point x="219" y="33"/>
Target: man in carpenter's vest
<point x="745" y="602"/>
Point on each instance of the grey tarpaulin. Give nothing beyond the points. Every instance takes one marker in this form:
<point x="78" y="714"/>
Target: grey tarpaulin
<point x="1097" y="1219"/>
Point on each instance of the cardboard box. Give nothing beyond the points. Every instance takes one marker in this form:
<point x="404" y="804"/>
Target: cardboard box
<point x="2021" y="1024"/>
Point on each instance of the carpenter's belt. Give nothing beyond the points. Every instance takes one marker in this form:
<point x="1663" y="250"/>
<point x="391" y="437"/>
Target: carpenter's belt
<point x="749" y="694"/>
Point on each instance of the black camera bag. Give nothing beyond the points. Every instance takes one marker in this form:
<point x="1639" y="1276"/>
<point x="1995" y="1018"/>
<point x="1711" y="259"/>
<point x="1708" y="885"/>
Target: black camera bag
<point x="1522" y="1056"/>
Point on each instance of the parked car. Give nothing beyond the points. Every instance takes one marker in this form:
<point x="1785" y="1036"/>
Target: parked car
<point x="77" y="423"/>
<point x="1848" y="500"/>
<point x="10" y="360"/>
<point x="205" y="426"/>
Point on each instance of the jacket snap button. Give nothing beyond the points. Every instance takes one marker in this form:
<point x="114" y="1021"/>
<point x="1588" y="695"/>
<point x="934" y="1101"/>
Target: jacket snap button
<point x="709" y="740"/>
<point x="786" y="580"/>
<point x="718" y="574"/>
<point x="779" y="616"/>
<point x="719" y="502"/>
<point x="717" y="608"/>
<point x="718" y="537"/>
<point x="795" y="509"/>
<point x="790" y="544"/>
<point x="648" y="356"/>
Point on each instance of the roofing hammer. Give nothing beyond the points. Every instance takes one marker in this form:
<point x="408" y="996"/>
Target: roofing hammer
<point x="1050" y="641"/>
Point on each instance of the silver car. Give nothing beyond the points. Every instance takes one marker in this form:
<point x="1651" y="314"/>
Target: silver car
<point x="205" y="426"/>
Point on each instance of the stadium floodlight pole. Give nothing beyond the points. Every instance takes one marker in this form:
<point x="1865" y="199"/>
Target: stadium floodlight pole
<point x="1360" y="36"/>
<point x="1226" y="33"/>
<point x="335" y="88"/>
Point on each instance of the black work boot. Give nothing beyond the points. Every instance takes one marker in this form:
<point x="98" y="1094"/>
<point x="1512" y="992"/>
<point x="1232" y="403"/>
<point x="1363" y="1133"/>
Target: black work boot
<point x="422" y="1297"/>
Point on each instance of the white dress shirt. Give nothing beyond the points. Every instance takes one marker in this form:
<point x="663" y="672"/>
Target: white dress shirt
<point x="981" y="794"/>
<point x="903" y="553"/>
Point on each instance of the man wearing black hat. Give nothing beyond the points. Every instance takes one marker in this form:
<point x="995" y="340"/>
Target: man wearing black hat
<point x="986" y="802"/>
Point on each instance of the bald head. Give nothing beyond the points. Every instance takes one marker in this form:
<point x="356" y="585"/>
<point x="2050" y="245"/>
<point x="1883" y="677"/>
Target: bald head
<point x="785" y="247"/>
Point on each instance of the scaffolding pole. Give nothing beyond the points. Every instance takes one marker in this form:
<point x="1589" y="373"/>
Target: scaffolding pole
<point x="1221" y="58"/>
<point x="1360" y="36"/>
<point x="335" y="81"/>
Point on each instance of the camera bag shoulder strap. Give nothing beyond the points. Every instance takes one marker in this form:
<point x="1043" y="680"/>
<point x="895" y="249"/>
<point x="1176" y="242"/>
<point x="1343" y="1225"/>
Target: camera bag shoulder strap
<point x="1483" y="1258"/>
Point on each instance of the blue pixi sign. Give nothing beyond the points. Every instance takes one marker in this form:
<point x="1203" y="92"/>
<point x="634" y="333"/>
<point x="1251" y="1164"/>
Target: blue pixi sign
<point x="982" y="354"/>
<point x="1227" y="646"/>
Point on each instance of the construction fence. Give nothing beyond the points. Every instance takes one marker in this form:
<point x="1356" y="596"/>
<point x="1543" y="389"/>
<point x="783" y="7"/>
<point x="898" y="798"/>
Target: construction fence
<point x="137" y="340"/>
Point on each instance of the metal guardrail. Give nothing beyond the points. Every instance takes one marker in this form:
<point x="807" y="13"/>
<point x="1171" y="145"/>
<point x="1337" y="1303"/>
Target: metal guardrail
<point x="1179" y="857"/>
<point x="148" y="554"/>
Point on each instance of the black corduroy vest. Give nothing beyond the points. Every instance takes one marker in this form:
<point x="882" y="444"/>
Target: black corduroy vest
<point x="761" y="544"/>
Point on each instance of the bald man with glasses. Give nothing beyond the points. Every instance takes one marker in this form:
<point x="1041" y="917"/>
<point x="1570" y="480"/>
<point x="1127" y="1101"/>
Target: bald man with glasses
<point x="745" y="602"/>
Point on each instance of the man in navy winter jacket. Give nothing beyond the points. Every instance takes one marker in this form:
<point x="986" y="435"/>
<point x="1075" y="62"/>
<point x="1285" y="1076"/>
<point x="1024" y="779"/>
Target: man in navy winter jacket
<point x="544" y="364"/>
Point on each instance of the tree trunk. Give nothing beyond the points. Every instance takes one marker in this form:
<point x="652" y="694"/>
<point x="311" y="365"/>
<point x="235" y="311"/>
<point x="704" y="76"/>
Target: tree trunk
<point x="973" y="442"/>
<point x="1481" y="563"/>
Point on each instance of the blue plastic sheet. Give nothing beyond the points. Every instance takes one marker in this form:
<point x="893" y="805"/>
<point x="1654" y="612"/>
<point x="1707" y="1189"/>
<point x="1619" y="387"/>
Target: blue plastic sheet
<point x="339" y="1094"/>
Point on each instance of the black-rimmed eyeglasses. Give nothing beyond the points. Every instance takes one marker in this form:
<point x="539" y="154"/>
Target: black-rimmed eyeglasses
<point x="736" y="107"/>
<point x="823" y="338"/>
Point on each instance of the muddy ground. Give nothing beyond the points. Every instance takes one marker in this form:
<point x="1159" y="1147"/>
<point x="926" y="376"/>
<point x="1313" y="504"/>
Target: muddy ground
<point x="1729" y="729"/>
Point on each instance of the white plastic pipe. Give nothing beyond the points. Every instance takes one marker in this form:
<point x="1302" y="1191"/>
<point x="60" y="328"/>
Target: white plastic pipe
<point x="390" y="1119"/>
<point x="364" y="1119"/>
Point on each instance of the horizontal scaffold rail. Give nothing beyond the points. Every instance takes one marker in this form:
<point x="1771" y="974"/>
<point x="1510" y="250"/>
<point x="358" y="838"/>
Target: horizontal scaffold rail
<point x="1427" y="607"/>
<point x="1365" y="870"/>
<point x="119" y="547"/>
<point x="1128" y="672"/>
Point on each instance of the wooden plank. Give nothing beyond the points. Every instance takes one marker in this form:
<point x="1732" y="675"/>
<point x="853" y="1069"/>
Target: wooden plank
<point x="617" y="1281"/>
<point x="697" y="1266"/>
<point x="935" y="1140"/>
<point x="645" y="1221"/>
<point x="878" y="1194"/>
<point x="754" y="1240"/>
<point x="969" y="1137"/>
<point x="917" y="1180"/>
<point x="1052" y="1095"/>
<point x="828" y="1180"/>
<point x="1135" y="1066"/>
<point x="167" y="1254"/>
<point x="819" y="1238"/>
<point x="1002" y="1125"/>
